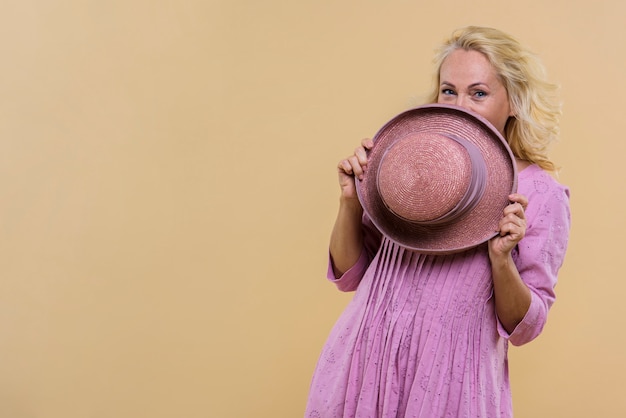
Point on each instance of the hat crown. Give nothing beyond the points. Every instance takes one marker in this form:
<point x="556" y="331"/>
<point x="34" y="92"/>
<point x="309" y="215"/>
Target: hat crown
<point x="429" y="178"/>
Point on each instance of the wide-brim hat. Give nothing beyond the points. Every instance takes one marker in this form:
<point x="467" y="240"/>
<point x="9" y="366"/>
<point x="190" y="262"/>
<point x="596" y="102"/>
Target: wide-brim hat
<point x="437" y="179"/>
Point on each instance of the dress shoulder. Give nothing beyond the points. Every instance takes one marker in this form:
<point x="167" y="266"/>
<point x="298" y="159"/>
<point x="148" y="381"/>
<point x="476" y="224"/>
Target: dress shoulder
<point x="535" y="181"/>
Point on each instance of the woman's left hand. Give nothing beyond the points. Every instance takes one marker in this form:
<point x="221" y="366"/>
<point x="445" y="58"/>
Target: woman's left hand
<point x="512" y="226"/>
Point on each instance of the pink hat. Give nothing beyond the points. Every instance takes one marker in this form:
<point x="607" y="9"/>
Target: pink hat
<point x="438" y="179"/>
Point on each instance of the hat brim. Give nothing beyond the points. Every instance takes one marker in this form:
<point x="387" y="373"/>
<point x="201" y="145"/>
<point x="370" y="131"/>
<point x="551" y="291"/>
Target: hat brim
<point x="475" y="227"/>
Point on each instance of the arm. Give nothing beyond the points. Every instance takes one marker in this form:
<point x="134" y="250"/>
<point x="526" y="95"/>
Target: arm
<point x="512" y="295"/>
<point x="537" y="258"/>
<point x="346" y="241"/>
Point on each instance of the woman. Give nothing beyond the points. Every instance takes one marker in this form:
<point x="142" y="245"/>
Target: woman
<point x="434" y="342"/>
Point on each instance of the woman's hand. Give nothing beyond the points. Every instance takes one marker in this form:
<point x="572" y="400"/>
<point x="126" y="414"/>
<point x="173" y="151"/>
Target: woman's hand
<point x="352" y="166"/>
<point x="512" y="227"/>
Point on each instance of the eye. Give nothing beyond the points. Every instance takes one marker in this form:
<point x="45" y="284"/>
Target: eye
<point x="447" y="92"/>
<point x="480" y="94"/>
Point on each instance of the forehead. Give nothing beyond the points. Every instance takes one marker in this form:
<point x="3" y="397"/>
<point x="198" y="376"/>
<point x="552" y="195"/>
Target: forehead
<point x="463" y="64"/>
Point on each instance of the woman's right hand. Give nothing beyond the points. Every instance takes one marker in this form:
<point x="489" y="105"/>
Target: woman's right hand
<point x="352" y="166"/>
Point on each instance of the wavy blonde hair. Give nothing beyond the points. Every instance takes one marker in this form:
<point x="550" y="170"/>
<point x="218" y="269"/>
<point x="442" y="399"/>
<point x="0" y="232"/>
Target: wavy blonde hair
<point x="532" y="98"/>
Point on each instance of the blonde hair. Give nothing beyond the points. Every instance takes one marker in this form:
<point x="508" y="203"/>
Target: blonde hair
<point x="532" y="98"/>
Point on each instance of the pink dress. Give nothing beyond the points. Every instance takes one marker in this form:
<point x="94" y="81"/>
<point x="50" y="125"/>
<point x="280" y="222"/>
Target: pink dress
<point x="421" y="337"/>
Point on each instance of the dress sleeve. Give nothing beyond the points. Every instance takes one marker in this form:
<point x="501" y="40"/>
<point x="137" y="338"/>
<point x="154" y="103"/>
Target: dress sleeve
<point x="539" y="257"/>
<point x="350" y="280"/>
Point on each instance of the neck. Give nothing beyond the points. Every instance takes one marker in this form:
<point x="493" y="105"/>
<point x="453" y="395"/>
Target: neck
<point x="521" y="164"/>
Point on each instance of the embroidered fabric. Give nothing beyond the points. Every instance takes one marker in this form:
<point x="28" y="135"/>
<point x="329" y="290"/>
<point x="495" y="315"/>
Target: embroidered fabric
<point x="421" y="338"/>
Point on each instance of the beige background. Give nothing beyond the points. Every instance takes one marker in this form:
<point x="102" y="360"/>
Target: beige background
<point x="167" y="187"/>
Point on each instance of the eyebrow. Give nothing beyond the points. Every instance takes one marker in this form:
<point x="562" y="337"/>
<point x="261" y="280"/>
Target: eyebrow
<point x="480" y="83"/>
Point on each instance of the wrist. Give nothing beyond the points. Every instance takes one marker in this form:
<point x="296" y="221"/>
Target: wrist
<point x="501" y="260"/>
<point x="350" y="203"/>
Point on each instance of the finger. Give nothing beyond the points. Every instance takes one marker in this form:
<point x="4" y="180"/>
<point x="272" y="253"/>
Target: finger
<point x="515" y="209"/>
<point x="367" y="143"/>
<point x="361" y="155"/>
<point x="345" y="166"/>
<point x="356" y="168"/>
<point x="519" y="198"/>
<point x="514" y="215"/>
<point x="504" y="244"/>
<point x="512" y="232"/>
<point x="512" y="225"/>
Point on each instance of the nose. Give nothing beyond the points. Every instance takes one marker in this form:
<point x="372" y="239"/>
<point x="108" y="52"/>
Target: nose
<point x="462" y="101"/>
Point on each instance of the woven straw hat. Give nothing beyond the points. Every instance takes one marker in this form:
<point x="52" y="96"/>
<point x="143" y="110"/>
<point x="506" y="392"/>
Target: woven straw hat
<point x="438" y="179"/>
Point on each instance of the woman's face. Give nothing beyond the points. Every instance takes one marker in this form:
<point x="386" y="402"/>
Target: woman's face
<point x="467" y="79"/>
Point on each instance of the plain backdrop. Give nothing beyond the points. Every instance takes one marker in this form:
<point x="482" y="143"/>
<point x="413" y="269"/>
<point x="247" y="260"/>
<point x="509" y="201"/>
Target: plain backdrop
<point x="168" y="186"/>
